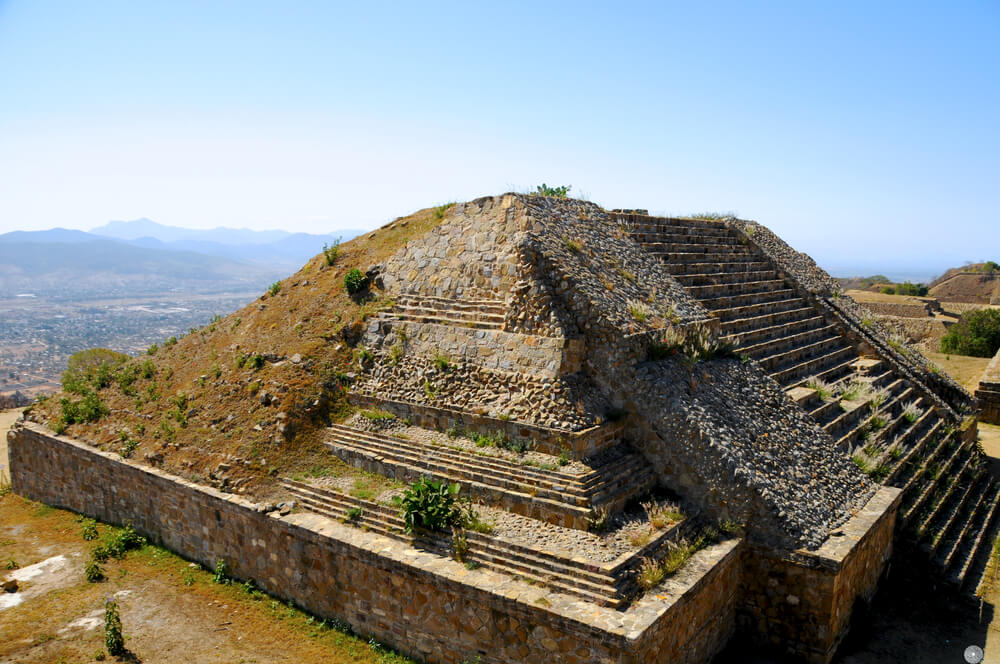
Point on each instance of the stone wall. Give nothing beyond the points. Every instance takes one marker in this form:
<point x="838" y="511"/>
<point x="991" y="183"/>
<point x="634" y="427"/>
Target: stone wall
<point x="493" y="349"/>
<point x="801" y="603"/>
<point x="988" y="392"/>
<point x="429" y="607"/>
<point x="902" y="309"/>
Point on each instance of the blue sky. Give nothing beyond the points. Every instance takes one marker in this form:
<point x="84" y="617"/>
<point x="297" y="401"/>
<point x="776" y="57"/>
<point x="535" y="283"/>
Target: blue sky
<point x="866" y="134"/>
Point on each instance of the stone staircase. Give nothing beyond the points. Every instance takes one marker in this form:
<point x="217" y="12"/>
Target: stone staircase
<point x="950" y="500"/>
<point x="479" y="314"/>
<point x="611" y="584"/>
<point x="546" y="494"/>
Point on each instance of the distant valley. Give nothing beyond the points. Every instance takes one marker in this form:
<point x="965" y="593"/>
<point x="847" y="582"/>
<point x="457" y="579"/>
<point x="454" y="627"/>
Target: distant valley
<point x="126" y="285"/>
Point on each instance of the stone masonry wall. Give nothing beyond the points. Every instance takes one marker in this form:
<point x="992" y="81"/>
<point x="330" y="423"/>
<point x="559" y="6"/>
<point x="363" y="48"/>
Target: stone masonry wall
<point x="988" y="392"/>
<point x="801" y="604"/>
<point x="905" y="310"/>
<point x="426" y="606"/>
<point x="493" y="349"/>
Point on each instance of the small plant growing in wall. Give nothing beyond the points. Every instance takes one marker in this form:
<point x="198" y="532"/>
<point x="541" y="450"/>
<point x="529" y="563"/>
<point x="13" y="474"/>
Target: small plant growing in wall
<point x="355" y="281"/>
<point x="428" y="505"/>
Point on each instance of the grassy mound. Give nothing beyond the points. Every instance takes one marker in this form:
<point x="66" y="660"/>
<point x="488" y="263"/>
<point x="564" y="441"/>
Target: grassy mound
<point x="248" y="394"/>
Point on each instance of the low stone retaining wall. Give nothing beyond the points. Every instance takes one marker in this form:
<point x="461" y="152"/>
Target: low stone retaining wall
<point x="902" y="309"/>
<point x="426" y="606"/>
<point x="988" y="392"/>
<point x="550" y="441"/>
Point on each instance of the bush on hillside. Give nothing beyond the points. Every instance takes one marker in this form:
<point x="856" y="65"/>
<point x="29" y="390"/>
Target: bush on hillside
<point x="558" y="192"/>
<point x="977" y="333"/>
<point x="355" y="281"/>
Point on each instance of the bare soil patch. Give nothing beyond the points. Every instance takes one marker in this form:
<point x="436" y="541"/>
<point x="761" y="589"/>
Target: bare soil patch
<point x="172" y="611"/>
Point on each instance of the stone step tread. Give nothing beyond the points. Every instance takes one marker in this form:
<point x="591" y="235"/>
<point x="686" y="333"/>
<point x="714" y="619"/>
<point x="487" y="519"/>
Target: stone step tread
<point x="750" y="339"/>
<point x="711" y="269"/>
<point x="944" y="515"/>
<point x="423" y="310"/>
<point x="552" y="500"/>
<point x="631" y="479"/>
<point x="747" y="299"/>
<point x="664" y="238"/>
<point x="946" y="556"/>
<point x="815" y="366"/>
<point x="391" y="518"/>
<point x="787" y="359"/>
<point x="842" y="418"/>
<point x="736" y="288"/>
<point x="792" y="337"/>
<point x="854" y="419"/>
<point x="923" y="430"/>
<point x="703" y="257"/>
<point x="975" y="567"/>
<point x="625" y="463"/>
<point x="929" y="484"/>
<point x="646" y="228"/>
<point x="766" y="321"/>
<point x="720" y="278"/>
<point x="463" y="302"/>
<point x="440" y="320"/>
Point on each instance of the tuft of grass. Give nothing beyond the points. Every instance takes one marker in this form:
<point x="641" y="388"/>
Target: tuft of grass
<point x="572" y="245"/>
<point x="640" y="310"/>
<point x="823" y="389"/>
<point x="911" y="412"/>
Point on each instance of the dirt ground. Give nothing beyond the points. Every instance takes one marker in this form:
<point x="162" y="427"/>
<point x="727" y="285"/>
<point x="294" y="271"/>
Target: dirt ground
<point x="964" y="369"/>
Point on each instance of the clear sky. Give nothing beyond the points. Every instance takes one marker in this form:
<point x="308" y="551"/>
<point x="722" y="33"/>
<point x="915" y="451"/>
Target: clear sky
<point x="864" y="133"/>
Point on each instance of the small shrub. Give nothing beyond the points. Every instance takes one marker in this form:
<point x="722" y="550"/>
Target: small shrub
<point x="113" y="639"/>
<point x="396" y="354"/>
<point x="376" y="415"/>
<point x="354" y="513"/>
<point x="89" y="530"/>
<point x="429" y="505"/>
<point x="330" y="252"/>
<point x="92" y="570"/>
<point x="563" y="456"/>
<point x="170" y="342"/>
<point x="355" y="281"/>
<point x="221" y="575"/>
<point x="274" y="288"/>
<point x="556" y="192"/>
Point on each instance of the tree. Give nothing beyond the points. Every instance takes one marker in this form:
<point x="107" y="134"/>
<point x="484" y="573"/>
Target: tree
<point x="977" y="333"/>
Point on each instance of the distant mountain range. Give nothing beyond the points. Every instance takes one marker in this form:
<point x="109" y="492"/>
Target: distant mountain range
<point x="144" y="256"/>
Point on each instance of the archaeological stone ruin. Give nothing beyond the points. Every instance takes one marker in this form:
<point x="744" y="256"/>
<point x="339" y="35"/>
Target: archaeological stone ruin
<point x="680" y="431"/>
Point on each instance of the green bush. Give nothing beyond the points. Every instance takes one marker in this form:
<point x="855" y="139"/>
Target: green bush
<point x="977" y="333"/>
<point x="355" y="281"/>
<point x="907" y="288"/>
<point x="429" y="505"/>
<point x="87" y="409"/>
<point x="95" y="367"/>
<point x="557" y="192"/>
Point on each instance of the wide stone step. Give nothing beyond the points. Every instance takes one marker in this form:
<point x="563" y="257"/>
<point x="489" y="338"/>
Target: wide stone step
<point x="562" y="574"/>
<point x="729" y="302"/>
<point x="676" y="255"/>
<point x="679" y="270"/>
<point x="971" y="520"/>
<point x="796" y="336"/>
<point x="715" y="291"/>
<point x="440" y="320"/>
<point x="849" y="428"/>
<point x="821" y="365"/>
<point x="934" y="524"/>
<point x="486" y="306"/>
<point x="976" y="562"/>
<point x="766" y="323"/>
<point x="679" y="227"/>
<point x="921" y="484"/>
<point x="912" y="442"/>
<point x="781" y="360"/>
<point x="420" y="309"/>
<point x="694" y="280"/>
<point x="661" y="238"/>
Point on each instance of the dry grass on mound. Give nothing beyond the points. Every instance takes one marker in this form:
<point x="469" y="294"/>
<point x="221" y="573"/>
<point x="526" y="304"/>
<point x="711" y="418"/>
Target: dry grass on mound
<point x="231" y="393"/>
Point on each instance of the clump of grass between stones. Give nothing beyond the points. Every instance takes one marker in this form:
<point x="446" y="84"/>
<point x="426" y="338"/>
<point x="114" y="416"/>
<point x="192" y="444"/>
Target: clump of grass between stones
<point x="661" y="515"/>
<point x="640" y="310"/>
<point x="822" y="389"/>
<point x="653" y="572"/>
<point x="911" y="412"/>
